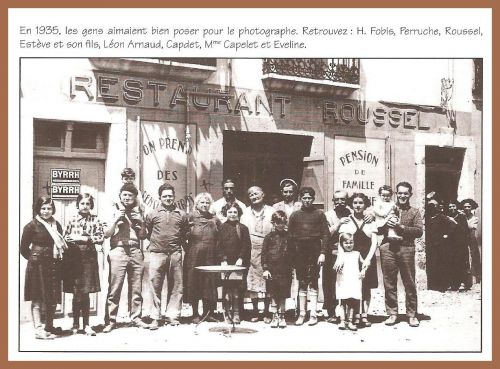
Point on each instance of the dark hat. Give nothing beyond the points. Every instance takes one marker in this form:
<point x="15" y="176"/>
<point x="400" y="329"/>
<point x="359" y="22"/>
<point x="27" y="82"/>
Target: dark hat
<point x="129" y="187"/>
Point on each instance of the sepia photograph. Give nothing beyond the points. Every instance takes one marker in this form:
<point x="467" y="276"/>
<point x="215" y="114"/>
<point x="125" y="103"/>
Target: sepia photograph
<point x="253" y="205"/>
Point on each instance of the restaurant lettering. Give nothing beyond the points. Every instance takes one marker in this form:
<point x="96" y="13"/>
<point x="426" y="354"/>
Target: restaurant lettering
<point x="349" y="113"/>
<point x="169" y="95"/>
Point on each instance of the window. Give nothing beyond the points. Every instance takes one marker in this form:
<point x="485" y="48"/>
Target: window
<point x="49" y="135"/>
<point x="68" y="138"/>
<point x="84" y="137"/>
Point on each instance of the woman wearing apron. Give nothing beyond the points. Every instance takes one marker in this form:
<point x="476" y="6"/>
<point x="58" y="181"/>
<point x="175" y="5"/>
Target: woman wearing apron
<point x="257" y="217"/>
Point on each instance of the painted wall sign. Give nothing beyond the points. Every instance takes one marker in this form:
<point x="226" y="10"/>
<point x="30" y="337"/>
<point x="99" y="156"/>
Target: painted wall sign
<point x="150" y="93"/>
<point x="64" y="183"/>
<point x="171" y="95"/>
<point x="165" y="156"/>
<point x="376" y="115"/>
<point x="359" y="165"/>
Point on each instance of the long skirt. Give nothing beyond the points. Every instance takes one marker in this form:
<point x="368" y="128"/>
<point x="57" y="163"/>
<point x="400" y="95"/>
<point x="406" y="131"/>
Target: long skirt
<point x="199" y="285"/>
<point x="43" y="278"/>
<point x="81" y="269"/>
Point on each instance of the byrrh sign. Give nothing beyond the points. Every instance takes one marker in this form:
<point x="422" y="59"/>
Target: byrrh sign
<point x="64" y="183"/>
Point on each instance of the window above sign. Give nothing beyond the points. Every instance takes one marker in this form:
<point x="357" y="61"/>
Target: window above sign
<point x="62" y="138"/>
<point x="334" y="76"/>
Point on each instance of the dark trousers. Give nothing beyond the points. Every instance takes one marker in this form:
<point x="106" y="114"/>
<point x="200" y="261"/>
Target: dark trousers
<point x="396" y="258"/>
<point x="329" y="278"/>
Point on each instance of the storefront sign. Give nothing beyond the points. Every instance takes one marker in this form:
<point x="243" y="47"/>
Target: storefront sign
<point x="165" y="156"/>
<point x="64" y="183"/>
<point x="359" y="165"/>
<point x="151" y="93"/>
<point x="142" y="92"/>
<point x="348" y="113"/>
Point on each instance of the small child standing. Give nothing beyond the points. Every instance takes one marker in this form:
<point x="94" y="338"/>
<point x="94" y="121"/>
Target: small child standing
<point x="277" y="266"/>
<point x="349" y="283"/>
<point x="385" y="208"/>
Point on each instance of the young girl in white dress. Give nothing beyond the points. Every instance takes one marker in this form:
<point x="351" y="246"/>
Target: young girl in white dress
<point x="349" y="283"/>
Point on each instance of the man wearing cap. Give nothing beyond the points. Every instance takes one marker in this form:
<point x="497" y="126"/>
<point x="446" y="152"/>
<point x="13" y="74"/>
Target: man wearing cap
<point x="289" y="194"/>
<point x="126" y="230"/>
<point x="228" y="196"/>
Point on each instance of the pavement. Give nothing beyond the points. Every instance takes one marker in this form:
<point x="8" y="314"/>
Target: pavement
<point x="450" y="322"/>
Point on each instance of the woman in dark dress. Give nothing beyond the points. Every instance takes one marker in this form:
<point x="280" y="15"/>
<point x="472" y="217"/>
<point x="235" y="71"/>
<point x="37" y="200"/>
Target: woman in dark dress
<point x="235" y="247"/>
<point x="366" y="243"/>
<point x="458" y="253"/>
<point x="438" y="230"/>
<point x="202" y="250"/>
<point x="43" y="273"/>
<point x="84" y="233"/>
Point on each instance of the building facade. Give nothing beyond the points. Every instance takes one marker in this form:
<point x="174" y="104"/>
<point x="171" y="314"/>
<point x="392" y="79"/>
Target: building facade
<point x="352" y="124"/>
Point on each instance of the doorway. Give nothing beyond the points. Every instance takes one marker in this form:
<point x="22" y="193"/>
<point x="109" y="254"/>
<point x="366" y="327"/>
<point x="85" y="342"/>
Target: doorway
<point x="264" y="159"/>
<point x="74" y="146"/>
<point x="443" y="169"/>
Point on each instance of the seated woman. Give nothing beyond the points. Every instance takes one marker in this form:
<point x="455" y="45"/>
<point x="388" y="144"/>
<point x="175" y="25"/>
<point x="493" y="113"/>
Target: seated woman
<point x="202" y="250"/>
<point x="43" y="274"/>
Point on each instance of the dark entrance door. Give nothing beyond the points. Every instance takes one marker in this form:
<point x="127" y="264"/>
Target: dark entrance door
<point x="443" y="167"/>
<point x="264" y="159"/>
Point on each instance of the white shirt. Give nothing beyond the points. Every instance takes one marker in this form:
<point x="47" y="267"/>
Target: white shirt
<point x="216" y="208"/>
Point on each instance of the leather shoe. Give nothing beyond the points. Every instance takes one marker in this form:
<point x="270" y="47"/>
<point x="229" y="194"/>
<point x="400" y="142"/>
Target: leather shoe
<point x="154" y="325"/>
<point x="313" y="320"/>
<point x="300" y="320"/>
<point x="391" y="320"/>
<point x="140" y="324"/>
<point x="332" y="319"/>
<point x="413" y="321"/>
<point x="282" y="322"/>
<point x="108" y="328"/>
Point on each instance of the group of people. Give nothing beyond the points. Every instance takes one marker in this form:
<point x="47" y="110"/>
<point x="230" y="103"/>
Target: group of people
<point x="452" y="251"/>
<point x="288" y="242"/>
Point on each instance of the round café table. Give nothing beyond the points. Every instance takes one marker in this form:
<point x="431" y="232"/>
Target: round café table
<point x="225" y="271"/>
